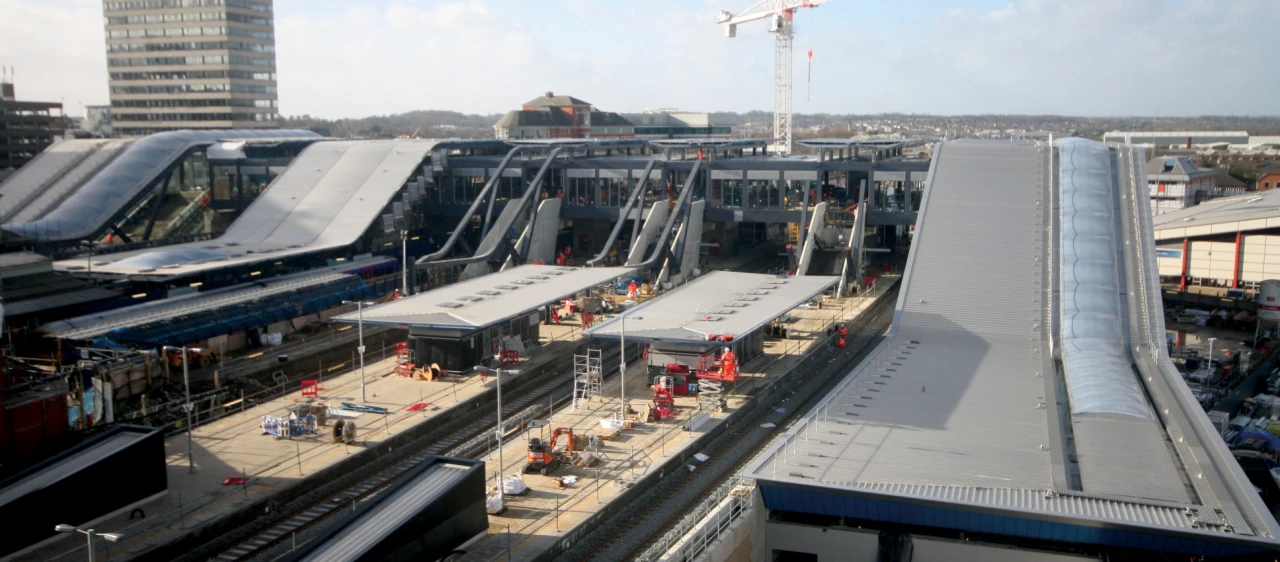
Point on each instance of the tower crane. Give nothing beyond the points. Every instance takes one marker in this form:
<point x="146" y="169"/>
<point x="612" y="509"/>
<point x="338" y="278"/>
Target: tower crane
<point x="779" y="13"/>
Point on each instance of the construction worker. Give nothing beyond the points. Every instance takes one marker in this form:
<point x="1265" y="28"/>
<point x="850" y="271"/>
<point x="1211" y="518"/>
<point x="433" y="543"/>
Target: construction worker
<point x="728" y="363"/>
<point x="632" y="290"/>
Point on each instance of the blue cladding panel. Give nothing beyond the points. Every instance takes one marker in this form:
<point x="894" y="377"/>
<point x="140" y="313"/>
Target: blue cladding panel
<point x="807" y="501"/>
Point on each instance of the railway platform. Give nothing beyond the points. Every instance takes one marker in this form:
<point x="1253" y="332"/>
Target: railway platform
<point x="548" y="513"/>
<point x="236" y="464"/>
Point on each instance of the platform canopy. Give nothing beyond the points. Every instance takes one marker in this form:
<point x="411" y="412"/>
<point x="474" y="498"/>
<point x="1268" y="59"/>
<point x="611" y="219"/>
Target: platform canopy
<point x="718" y="303"/>
<point x="488" y="300"/>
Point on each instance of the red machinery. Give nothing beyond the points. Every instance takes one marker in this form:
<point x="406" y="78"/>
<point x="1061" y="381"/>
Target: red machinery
<point x="664" y="401"/>
<point x="508" y="357"/>
<point x="402" y="352"/>
<point x="723" y="368"/>
<point x="680" y="378"/>
<point x="542" y="456"/>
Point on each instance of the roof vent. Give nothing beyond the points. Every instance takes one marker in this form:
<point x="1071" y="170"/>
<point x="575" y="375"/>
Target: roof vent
<point x="1188" y="219"/>
<point x="506" y="287"/>
<point x="450" y="305"/>
<point x="736" y="304"/>
<point x="748" y="299"/>
<point x="522" y="282"/>
<point x="470" y="298"/>
<point x="489" y="293"/>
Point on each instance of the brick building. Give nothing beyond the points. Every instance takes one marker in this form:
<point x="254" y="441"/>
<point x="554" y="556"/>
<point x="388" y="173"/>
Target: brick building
<point x="561" y="117"/>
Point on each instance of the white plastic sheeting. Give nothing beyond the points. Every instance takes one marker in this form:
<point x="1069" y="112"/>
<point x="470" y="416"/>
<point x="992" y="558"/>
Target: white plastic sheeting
<point x="1099" y="377"/>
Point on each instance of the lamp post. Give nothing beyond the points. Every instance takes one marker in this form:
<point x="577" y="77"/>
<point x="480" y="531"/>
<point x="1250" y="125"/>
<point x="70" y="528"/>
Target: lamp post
<point x="622" y="358"/>
<point x="497" y="374"/>
<point x="1209" y="363"/>
<point x="404" y="263"/>
<point x="188" y="406"/>
<point x="360" y="346"/>
<point x="88" y="534"/>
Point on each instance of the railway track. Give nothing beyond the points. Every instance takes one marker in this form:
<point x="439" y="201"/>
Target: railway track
<point x="633" y="532"/>
<point x="468" y="437"/>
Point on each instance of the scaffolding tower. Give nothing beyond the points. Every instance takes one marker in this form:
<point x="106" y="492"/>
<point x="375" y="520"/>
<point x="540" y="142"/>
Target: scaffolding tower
<point x="588" y="377"/>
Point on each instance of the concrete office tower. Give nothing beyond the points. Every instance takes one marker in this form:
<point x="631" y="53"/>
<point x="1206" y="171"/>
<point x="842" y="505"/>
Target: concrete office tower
<point x="190" y="64"/>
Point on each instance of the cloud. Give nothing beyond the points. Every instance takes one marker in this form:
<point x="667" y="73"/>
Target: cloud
<point x="1091" y="57"/>
<point x="1077" y="57"/>
<point x="57" y="51"/>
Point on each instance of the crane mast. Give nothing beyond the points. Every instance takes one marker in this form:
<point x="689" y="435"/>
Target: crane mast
<point x="779" y="13"/>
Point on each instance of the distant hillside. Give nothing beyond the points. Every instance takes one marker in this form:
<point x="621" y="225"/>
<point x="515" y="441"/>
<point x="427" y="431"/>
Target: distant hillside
<point x="445" y="124"/>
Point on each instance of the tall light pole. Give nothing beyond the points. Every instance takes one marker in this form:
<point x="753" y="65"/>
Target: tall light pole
<point x="360" y="346"/>
<point x="88" y="534"/>
<point x="188" y="406"/>
<point x="1210" y="361"/>
<point x="497" y="374"/>
<point x="404" y="263"/>
<point x="622" y="358"/>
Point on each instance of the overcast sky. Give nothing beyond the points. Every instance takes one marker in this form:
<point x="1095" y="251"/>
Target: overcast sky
<point x="351" y="58"/>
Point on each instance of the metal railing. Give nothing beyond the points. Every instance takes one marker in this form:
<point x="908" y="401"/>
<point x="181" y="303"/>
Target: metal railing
<point x="716" y="514"/>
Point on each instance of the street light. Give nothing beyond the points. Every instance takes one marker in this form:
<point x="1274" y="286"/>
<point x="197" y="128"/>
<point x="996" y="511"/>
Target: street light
<point x="622" y="388"/>
<point x="404" y="262"/>
<point x="497" y="374"/>
<point x="360" y="348"/>
<point x="1210" y="362"/>
<point x="88" y="534"/>
<point x="188" y="406"/>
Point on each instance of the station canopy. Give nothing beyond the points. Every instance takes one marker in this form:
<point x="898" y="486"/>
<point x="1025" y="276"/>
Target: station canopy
<point x="488" y="300"/>
<point x="718" y="303"/>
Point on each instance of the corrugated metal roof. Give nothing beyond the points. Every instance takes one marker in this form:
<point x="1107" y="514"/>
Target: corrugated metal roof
<point x="1127" y="457"/>
<point x="125" y="179"/>
<point x="989" y="234"/>
<point x="488" y="300"/>
<point x="1254" y="211"/>
<point x="106" y="446"/>
<point x="361" y="535"/>
<point x="953" y="406"/>
<point x="1175" y="168"/>
<point x="326" y="199"/>
<point x="94" y="325"/>
<point x="720" y="302"/>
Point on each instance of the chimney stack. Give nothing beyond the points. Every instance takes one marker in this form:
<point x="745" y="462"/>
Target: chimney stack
<point x="550" y="94"/>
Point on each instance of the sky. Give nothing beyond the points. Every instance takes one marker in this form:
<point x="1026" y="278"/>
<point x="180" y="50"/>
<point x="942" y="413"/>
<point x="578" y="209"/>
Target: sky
<point x="353" y="58"/>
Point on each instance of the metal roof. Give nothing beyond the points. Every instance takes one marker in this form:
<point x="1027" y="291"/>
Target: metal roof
<point x="93" y="325"/>
<point x="959" y="405"/>
<point x="1175" y="168"/>
<point x="859" y="142"/>
<point x="487" y="300"/>
<point x="54" y="169"/>
<point x="72" y="462"/>
<point x="371" y="528"/>
<point x="326" y="199"/>
<point x="718" y="303"/>
<point x="126" y="178"/>
<point x="1254" y="211"/>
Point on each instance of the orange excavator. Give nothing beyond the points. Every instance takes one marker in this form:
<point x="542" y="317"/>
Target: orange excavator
<point x="542" y="455"/>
